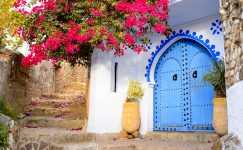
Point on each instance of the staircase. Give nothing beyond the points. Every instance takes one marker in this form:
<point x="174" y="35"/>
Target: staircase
<point x="50" y="119"/>
<point x="204" y="138"/>
<point x="150" y="141"/>
<point x="134" y="145"/>
<point x="58" y="122"/>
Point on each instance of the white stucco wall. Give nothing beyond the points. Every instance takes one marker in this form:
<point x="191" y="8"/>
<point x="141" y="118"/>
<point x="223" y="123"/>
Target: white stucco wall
<point x="235" y="108"/>
<point x="106" y="106"/>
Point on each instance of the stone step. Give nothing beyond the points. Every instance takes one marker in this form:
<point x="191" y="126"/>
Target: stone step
<point x="46" y="111"/>
<point x="205" y="137"/>
<point x="53" y="103"/>
<point x="154" y="145"/>
<point x="74" y="146"/>
<point x="44" y="137"/>
<point x="134" y="145"/>
<point x="61" y="139"/>
<point x="60" y="135"/>
<point x="51" y="135"/>
<point x="43" y="121"/>
<point x="65" y="96"/>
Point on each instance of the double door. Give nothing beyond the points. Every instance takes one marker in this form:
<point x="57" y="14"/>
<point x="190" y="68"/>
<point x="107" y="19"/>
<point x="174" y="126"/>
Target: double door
<point x="182" y="99"/>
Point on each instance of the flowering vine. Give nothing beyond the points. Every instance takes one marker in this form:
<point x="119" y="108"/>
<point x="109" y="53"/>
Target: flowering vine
<point x="70" y="29"/>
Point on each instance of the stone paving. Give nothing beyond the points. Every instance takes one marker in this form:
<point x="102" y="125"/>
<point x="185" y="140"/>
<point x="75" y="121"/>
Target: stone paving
<point x="135" y="145"/>
<point x="143" y="144"/>
<point x="49" y="127"/>
<point x="59" y="139"/>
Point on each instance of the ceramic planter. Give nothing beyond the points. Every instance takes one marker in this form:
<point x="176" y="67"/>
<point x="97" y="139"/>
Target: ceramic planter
<point x="131" y="117"/>
<point x="220" y="119"/>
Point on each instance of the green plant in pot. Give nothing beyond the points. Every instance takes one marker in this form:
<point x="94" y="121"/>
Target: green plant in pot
<point x="135" y="91"/>
<point x="217" y="78"/>
<point x="131" y="115"/>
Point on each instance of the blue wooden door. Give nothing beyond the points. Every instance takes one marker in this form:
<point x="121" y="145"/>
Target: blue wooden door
<point x="182" y="100"/>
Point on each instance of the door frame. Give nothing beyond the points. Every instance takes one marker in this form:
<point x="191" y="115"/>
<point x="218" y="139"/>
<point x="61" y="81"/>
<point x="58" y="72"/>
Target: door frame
<point x="155" y="56"/>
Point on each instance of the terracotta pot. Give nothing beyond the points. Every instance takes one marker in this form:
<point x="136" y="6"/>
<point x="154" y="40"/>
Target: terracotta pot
<point x="220" y="119"/>
<point x="131" y="117"/>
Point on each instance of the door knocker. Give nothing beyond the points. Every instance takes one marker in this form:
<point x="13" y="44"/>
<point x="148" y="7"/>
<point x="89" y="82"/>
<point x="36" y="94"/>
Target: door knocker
<point x="175" y="77"/>
<point x="194" y="74"/>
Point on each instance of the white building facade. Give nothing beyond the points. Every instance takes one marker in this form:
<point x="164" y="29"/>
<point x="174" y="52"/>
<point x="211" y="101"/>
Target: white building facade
<point x="197" y="22"/>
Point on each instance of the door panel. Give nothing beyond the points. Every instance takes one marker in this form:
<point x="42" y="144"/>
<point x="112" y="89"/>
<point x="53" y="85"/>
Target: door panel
<point x="167" y="92"/>
<point x="182" y="99"/>
<point x="201" y="92"/>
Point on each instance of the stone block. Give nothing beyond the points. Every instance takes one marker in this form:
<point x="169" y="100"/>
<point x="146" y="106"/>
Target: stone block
<point x="123" y="135"/>
<point x="241" y="73"/>
<point x="136" y="134"/>
<point x="231" y="141"/>
<point x="227" y="44"/>
<point x="235" y="14"/>
<point x="231" y="73"/>
<point x="174" y="136"/>
<point x="35" y="146"/>
<point x="70" y="79"/>
<point x="43" y="145"/>
<point x="7" y="121"/>
<point x="22" y="148"/>
<point x="28" y="146"/>
<point x="191" y="137"/>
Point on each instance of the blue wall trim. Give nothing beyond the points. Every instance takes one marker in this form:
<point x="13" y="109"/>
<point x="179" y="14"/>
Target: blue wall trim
<point x="185" y="34"/>
<point x="216" y="27"/>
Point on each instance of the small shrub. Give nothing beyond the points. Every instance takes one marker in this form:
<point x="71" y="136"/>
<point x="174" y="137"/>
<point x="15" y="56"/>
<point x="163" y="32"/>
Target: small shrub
<point x="135" y="91"/>
<point x="3" y="137"/>
<point x="217" y="79"/>
<point x="7" y="110"/>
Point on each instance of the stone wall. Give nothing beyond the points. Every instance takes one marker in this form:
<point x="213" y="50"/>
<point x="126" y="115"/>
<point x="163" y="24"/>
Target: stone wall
<point x="19" y="84"/>
<point x="41" y="80"/>
<point x="232" y="17"/>
<point x="70" y="79"/>
<point x="13" y="78"/>
<point x="5" y="68"/>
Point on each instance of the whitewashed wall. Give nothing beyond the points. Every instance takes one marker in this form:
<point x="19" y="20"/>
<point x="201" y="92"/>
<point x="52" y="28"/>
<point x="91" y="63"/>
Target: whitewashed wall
<point x="235" y="107"/>
<point x="106" y="106"/>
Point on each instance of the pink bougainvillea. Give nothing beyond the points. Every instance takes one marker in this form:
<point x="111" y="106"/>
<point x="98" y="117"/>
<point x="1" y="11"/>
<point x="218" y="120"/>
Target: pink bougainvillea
<point x="70" y="30"/>
<point x="129" y="39"/>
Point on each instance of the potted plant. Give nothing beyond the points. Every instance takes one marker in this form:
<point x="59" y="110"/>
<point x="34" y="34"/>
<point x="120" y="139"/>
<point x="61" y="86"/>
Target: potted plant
<point x="217" y="79"/>
<point x="131" y="115"/>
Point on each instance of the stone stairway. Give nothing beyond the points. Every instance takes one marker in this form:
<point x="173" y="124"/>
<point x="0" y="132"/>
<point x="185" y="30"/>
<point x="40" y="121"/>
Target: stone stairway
<point x="134" y="145"/>
<point x="194" y="137"/>
<point x="59" y="139"/>
<point x="51" y="125"/>
<point x="150" y="141"/>
<point x="50" y="119"/>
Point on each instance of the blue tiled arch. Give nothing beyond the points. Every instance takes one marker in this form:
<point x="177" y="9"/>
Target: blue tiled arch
<point x="184" y="34"/>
